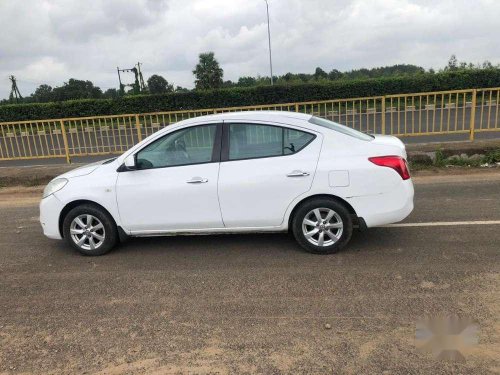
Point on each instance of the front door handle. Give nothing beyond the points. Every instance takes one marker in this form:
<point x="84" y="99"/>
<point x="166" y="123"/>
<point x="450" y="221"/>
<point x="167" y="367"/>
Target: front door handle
<point x="297" y="173"/>
<point x="197" y="180"/>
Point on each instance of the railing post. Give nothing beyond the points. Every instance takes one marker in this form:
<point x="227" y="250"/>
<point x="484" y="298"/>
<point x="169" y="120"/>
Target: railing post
<point x="138" y="127"/>
<point x="472" y="123"/>
<point x="297" y="107"/>
<point x="65" y="142"/>
<point x="383" y="115"/>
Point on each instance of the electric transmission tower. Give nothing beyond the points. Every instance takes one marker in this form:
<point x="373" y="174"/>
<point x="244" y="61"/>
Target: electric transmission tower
<point x="138" y="85"/>
<point x="14" y="91"/>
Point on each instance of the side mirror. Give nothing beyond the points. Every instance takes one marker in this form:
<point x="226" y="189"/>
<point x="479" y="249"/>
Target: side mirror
<point x="130" y="162"/>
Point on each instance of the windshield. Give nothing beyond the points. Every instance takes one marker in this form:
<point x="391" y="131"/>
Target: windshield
<point x="340" y="128"/>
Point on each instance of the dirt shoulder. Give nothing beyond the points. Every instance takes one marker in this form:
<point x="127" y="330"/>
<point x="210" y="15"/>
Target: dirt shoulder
<point x="458" y="173"/>
<point x="17" y="196"/>
<point x="32" y="175"/>
<point x="458" y="147"/>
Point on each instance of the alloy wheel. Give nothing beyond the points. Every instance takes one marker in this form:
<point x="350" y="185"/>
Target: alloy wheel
<point x="322" y="227"/>
<point x="87" y="232"/>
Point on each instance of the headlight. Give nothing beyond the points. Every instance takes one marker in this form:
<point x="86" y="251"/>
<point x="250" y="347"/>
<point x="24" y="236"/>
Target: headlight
<point x="53" y="186"/>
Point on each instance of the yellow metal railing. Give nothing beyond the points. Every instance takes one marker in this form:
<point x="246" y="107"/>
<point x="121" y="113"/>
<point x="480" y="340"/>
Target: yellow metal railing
<point x="403" y="115"/>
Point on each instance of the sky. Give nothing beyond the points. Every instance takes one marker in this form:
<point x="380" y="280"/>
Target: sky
<point x="52" y="41"/>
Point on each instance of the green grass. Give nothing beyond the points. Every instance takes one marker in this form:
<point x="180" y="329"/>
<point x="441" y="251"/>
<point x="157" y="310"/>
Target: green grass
<point x="491" y="157"/>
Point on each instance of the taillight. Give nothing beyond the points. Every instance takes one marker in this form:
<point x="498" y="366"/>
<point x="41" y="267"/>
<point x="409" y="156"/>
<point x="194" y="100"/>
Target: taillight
<point x="395" y="162"/>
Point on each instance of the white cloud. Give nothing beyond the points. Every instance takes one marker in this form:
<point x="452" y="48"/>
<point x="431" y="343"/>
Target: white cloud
<point x="52" y="41"/>
<point x="44" y="69"/>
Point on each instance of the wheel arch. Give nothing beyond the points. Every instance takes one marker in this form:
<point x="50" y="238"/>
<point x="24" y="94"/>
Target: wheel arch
<point x="347" y="205"/>
<point x="77" y="203"/>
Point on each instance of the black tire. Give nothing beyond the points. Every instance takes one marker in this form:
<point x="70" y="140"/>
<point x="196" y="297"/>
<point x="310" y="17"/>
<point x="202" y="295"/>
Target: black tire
<point x="324" y="204"/>
<point x="108" y="231"/>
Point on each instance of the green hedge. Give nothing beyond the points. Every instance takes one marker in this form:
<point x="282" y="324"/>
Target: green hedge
<point x="239" y="96"/>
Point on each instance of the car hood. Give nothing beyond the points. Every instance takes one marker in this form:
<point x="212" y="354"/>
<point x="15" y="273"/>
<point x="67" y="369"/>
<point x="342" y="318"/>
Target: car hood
<point x="84" y="170"/>
<point x="389" y="140"/>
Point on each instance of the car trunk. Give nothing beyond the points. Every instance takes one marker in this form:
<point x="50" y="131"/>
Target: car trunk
<point x="395" y="144"/>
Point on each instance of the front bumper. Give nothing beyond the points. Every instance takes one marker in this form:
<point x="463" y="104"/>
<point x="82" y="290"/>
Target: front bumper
<point x="50" y="211"/>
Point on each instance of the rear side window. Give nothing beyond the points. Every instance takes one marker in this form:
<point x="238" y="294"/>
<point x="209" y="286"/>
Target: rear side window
<point x="340" y="128"/>
<point x="295" y="140"/>
<point x="248" y="141"/>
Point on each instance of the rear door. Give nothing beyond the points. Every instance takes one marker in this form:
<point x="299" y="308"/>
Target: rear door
<point x="264" y="167"/>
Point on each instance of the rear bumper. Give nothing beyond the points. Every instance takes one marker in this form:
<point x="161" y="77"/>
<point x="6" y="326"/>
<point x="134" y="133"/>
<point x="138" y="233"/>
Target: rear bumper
<point x="390" y="207"/>
<point x="50" y="210"/>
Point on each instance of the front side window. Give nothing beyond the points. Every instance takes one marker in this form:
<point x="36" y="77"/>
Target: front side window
<point x="186" y="146"/>
<point x="247" y="141"/>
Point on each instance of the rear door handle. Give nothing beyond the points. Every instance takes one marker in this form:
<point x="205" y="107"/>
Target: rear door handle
<point x="297" y="173"/>
<point x="197" y="180"/>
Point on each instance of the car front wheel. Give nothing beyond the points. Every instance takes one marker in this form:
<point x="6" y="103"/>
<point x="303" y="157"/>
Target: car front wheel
<point x="90" y="230"/>
<point x="322" y="226"/>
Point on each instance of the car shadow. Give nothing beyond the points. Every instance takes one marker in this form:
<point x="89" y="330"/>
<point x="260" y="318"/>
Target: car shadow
<point x="259" y="245"/>
<point x="276" y="243"/>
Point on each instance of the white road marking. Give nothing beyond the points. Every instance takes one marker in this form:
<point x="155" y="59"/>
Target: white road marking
<point x="442" y="223"/>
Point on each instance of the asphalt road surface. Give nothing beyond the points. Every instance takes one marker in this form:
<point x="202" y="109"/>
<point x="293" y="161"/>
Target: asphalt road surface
<point x="254" y="303"/>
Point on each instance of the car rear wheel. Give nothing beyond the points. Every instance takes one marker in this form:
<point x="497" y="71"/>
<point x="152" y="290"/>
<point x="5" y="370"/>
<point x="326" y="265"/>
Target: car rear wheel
<point x="90" y="230"/>
<point x="322" y="226"/>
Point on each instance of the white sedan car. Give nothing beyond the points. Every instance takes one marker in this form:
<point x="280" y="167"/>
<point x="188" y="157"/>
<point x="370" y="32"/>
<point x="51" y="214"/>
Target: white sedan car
<point x="235" y="173"/>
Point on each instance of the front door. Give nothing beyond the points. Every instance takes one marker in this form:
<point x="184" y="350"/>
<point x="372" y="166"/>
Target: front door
<point x="265" y="168"/>
<point x="175" y="186"/>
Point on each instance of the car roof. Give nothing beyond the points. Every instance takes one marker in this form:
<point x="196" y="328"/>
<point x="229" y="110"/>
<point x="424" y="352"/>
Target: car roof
<point x="254" y="115"/>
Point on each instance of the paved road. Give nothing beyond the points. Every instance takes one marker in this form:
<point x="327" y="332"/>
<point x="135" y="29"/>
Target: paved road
<point x="253" y="303"/>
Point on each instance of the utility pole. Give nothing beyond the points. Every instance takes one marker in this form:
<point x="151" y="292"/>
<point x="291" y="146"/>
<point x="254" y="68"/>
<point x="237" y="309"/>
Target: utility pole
<point x="122" y="87"/>
<point x="141" y="80"/>
<point x="269" y="40"/>
<point x="14" y="91"/>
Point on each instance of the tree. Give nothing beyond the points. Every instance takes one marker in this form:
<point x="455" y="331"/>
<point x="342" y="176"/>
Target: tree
<point x="181" y="89"/>
<point x="43" y="94"/>
<point x="76" y="89"/>
<point x="159" y="85"/>
<point x="320" y="74"/>
<point x="264" y="81"/>
<point x="334" y="75"/>
<point x="487" y="65"/>
<point x="111" y="94"/>
<point x="247" y="81"/>
<point x="452" y="63"/>
<point x="289" y="77"/>
<point x="208" y="73"/>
